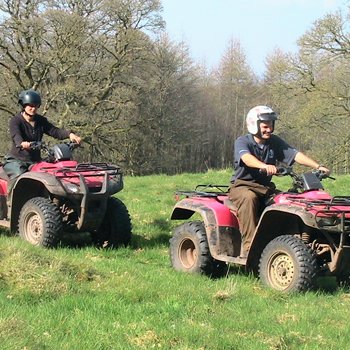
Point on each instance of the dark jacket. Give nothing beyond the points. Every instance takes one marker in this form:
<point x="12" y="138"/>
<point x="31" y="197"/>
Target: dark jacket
<point x="21" y="130"/>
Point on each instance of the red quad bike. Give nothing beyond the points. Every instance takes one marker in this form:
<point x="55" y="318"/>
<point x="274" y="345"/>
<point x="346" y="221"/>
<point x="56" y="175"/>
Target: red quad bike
<point x="302" y="234"/>
<point x="59" y="195"/>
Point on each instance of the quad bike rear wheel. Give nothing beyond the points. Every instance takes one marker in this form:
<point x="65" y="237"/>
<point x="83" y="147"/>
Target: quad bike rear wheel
<point x="189" y="251"/>
<point x="115" y="230"/>
<point x="288" y="265"/>
<point x="40" y="222"/>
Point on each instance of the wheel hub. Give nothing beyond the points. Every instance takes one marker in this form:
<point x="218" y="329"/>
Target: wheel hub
<point x="281" y="271"/>
<point x="34" y="228"/>
<point x="188" y="253"/>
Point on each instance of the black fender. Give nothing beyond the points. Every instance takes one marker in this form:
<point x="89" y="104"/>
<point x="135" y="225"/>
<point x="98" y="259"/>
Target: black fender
<point x="29" y="185"/>
<point x="49" y="181"/>
<point x="279" y="219"/>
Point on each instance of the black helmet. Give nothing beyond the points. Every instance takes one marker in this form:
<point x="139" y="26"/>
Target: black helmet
<point x="29" y="97"/>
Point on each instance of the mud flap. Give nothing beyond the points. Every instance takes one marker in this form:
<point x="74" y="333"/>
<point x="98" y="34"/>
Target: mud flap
<point x="340" y="264"/>
<point x="3" y="207"/>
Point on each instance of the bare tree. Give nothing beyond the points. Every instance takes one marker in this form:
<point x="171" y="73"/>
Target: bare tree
<point x="236" y="85"/>
<point x="81" y="55"/>
<point x="312" y="90"/>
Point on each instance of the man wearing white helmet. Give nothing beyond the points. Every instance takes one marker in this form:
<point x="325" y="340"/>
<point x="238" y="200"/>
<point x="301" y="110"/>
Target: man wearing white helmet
<point x="255" y="151"/>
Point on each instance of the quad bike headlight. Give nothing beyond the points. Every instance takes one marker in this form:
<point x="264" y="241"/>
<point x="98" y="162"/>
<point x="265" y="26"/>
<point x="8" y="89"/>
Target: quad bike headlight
<point x="328" y="221"/>
<point x="71" y="188"/>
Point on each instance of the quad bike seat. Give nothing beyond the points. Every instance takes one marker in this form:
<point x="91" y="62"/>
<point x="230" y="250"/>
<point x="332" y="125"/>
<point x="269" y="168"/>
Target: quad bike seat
<point x="3" y="174"/>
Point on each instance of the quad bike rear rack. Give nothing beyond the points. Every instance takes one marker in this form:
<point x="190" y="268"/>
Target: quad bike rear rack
<point x="86" y="168"/>
<point x="214" y="191"/>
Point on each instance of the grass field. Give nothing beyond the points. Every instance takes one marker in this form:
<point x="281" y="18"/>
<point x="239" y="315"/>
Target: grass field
<point x="77" y="297"/>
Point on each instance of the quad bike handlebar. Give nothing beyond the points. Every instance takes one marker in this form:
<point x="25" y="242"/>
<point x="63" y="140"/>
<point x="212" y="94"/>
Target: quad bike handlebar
<point x="54" y="153"/>
<point x="281" y="171"/>
<point x="36" y="145"/>
<point x="284" y="171"/>
<point x="305" y="181"/>
<point x="42" y="145"/>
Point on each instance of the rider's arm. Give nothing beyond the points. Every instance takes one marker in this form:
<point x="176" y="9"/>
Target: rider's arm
<point x="59" y="133"/>
<point x="253" y="162"/>
<point x="244" y="153"/>
<point x="15" y="131"/>
<point x="52" y="130"/>
<point x="303" y="159"/>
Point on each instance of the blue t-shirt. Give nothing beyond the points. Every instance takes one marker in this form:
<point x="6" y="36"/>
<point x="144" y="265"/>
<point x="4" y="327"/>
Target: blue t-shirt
<point x="275" y="149"/>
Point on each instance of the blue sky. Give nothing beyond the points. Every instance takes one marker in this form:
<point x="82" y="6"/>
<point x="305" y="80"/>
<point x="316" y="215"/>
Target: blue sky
<point x="261" y="26"/>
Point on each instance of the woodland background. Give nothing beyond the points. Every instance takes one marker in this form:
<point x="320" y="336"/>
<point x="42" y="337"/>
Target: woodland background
<point x="108" y="70"/>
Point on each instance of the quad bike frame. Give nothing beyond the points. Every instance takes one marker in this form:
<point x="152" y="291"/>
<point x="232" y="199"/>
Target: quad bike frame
<point x="82" y="193"/>
<point x="303" y="229"/>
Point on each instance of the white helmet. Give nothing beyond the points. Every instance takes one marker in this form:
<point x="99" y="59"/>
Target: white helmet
<point x="258" y="114"/>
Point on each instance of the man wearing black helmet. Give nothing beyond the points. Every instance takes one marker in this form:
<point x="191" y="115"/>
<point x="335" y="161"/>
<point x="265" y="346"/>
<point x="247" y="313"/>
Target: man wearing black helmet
<point x="256" y="151"/>
<point x="28" y="126"/>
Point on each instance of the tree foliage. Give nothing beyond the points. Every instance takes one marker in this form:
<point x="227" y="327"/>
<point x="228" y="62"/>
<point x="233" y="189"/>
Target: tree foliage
<point x="312" y="90"/>
<point x="107" y="70"/>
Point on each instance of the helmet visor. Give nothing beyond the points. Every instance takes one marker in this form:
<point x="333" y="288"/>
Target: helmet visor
<point x="267" y="116"/>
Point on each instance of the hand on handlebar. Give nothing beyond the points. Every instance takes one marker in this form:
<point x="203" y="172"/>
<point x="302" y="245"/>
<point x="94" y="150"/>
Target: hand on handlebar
<point x="322" y="174"/>
<point x="74" y="138"/>
<point x="279" y="170"/>
<point x="26" y="145"/>
<point x="269" y="169"/>
<point x="323" y="169"/>
<point x="30" y="145"/>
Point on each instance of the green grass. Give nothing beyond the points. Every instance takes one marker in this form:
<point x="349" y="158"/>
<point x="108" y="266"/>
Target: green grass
<point x="79" y="297"/>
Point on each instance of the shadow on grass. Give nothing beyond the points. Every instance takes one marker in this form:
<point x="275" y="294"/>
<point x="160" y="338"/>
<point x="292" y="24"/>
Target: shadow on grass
<point x="79" y="240"/>
<point x="142" y="241"/>
<point x="139" y="241"/>
<point x="76" y="240"/>
<point x="328" y="285"/>
<point x="162" y="224"/>
<point x="5" y="232"/>
<point x="323" y="285"/>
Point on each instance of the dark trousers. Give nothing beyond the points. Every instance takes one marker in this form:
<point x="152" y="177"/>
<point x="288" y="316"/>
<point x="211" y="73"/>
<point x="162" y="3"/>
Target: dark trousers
<point x="15" y="167"/>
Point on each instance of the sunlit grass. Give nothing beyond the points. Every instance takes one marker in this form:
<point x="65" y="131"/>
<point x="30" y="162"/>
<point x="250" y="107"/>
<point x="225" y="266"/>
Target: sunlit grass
<point x="84" y="298"/>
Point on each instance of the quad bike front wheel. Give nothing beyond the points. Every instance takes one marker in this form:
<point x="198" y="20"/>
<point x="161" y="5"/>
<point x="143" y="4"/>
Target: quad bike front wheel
<point x="40" y="222"/>
<point x="115" y="230"/>
<point x="288" y="265"/>
<point x="189" y="251"/>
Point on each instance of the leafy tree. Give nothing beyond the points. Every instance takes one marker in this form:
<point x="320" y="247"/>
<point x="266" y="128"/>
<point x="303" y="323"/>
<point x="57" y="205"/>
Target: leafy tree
<point x="168" y="132"/>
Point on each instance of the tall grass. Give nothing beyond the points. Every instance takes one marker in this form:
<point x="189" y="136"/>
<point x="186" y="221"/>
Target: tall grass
<point x="79" y="297"/>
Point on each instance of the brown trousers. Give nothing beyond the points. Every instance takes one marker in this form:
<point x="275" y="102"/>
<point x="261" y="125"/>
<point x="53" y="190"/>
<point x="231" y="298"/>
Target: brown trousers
<point x="248" y="197"/>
